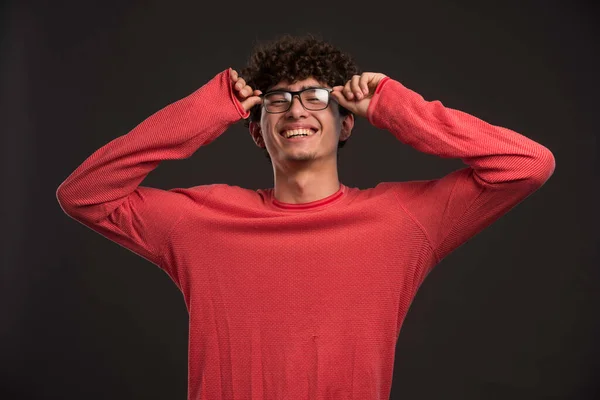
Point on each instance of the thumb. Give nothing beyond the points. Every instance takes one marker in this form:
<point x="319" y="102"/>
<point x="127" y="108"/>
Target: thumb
<point x="339" y="96"/>
<point x="251" y="101"/>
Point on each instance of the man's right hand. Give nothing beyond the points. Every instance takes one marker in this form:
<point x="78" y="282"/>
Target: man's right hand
<point x="244" y="93"/>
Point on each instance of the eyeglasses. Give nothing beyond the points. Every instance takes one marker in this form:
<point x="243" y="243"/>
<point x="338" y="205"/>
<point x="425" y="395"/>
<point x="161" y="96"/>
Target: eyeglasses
<point x="313" y="99"/>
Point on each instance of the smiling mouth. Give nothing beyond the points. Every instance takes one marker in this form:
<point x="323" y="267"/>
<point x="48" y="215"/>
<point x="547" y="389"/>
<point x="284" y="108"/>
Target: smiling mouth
<point x="303" y="133"/>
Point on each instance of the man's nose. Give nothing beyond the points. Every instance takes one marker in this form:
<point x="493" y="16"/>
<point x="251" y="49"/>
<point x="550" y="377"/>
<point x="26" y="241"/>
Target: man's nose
<point x="296" y="108"/>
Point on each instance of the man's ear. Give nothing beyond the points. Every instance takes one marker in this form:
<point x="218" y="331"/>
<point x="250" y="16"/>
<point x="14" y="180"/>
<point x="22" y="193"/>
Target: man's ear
<point x="257" y="134"/>
<point x="347" y="125"/>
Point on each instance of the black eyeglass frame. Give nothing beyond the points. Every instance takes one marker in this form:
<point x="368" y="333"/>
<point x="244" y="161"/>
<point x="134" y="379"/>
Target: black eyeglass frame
<point x="297" y="93"/>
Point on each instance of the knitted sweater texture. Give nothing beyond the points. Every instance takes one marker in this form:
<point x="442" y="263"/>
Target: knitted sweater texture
<point x="300" y="301"/>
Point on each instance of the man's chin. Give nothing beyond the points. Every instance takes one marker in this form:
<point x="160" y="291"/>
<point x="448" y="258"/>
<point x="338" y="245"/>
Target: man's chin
<point x="301" y="158"/>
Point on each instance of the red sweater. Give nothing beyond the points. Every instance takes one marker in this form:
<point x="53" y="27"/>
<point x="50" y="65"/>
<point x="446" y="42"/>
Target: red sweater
<point x="300" y="301"/>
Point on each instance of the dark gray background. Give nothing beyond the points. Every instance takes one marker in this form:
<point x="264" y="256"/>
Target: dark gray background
<point x="512" y="314"/>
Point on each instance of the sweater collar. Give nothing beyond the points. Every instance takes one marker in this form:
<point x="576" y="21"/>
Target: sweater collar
<point x="310" y="206"/>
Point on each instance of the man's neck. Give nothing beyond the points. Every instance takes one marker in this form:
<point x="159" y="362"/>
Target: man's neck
<point x="305" y="186"/>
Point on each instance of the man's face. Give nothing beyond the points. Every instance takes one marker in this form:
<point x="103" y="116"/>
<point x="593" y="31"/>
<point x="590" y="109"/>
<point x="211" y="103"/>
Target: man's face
<point x="327" y="125"/>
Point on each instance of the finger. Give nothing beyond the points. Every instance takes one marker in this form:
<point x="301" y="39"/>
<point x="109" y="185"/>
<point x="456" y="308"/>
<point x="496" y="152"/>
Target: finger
<point x="339" y="96"/>
<point x="335" y="93"/>
<point x="246" y="91"/>
<point x="239" y="85"/>
<point x="251" y="102"/>
<point x="355" y="87"/>
<point x="363" y="83"/>
<point x="348" y="90"/>
<point x="254" y="100"/>
<point x="233" y="74"/>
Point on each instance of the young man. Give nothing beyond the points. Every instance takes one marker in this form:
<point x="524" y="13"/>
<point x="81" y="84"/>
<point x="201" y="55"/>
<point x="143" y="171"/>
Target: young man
<point x="300" y="290"/>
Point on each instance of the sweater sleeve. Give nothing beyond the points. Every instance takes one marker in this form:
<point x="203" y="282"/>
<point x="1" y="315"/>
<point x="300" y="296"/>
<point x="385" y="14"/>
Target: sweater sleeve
<point x="504" y="167"/>
<point x="103" y="193"/>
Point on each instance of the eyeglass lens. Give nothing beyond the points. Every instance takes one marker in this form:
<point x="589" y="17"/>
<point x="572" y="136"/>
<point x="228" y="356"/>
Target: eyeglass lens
<point x="312" y="99"/>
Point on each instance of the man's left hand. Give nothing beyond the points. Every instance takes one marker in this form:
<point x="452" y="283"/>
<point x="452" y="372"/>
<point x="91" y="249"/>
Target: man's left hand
<point x="356" y="94"/>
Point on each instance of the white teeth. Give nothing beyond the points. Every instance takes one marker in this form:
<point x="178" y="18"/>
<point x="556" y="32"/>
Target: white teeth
<point x="293" y="132"/>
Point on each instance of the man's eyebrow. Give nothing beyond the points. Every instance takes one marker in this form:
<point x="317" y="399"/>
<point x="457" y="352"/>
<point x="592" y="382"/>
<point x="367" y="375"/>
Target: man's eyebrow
<point x="302" y="88"/>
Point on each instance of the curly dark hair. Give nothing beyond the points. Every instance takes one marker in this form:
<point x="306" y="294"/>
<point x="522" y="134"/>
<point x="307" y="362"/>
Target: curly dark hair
<point x="294" y="58"/>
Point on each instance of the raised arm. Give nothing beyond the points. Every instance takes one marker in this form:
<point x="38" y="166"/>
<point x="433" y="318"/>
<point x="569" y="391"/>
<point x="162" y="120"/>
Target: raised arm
<point x="103" y="193"/>
<point x="504" y="167"/>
